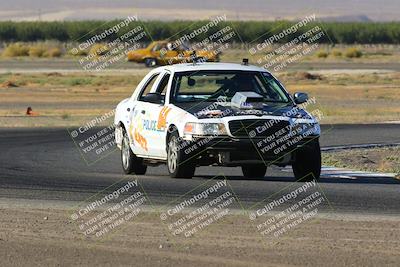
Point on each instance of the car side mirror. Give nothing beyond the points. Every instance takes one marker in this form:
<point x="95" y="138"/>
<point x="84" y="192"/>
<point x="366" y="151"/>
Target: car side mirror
<point x="154" y="98"/>
<point x="300" y="98"/>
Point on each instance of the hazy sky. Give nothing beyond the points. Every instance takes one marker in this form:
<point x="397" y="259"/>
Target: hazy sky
<point x="382" y="10"/>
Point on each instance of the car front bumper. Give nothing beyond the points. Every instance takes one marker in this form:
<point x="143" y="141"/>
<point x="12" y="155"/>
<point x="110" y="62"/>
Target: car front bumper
<point x="228" y="151"/>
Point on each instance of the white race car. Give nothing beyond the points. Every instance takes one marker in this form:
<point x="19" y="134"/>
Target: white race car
<point x="201" y="114"/>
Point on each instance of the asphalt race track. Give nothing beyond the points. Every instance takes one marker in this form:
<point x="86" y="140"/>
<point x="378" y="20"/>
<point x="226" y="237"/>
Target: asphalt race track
<point x="44" y="164"/>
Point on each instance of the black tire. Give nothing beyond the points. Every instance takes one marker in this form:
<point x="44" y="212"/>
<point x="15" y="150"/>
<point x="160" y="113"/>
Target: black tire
<point x="179" y="164"/>
<point x="150" y="62"/>
<point x="307" y="165"/>
<point x="254" y="170"/>
<point x="130" y="163"/>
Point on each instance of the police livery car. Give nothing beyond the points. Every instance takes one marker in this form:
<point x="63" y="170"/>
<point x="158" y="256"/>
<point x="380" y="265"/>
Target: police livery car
<point x="216" y="114"/>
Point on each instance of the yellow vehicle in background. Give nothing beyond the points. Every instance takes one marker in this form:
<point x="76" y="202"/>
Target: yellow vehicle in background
<point x="164" y="53"/>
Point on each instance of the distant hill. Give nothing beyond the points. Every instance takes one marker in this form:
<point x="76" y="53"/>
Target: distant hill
<point x="354" y="18"/>
<point x="331" y="10"/>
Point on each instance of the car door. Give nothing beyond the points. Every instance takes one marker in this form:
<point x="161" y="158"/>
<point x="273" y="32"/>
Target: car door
<point x="153" y="118"/>
<point x="166" y="55"/>
<point x="137" y="131"/>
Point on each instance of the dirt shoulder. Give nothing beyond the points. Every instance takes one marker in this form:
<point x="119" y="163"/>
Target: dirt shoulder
<point x="48" y="237"/>
<point x="372" y="159"/>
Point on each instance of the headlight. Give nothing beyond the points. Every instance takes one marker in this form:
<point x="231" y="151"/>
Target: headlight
<point x="195" y="128"/>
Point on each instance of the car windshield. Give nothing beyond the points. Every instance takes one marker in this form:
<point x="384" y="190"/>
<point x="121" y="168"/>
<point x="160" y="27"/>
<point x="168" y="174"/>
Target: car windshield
<point x="212" y="85"/>
<point x="159" y="46"/>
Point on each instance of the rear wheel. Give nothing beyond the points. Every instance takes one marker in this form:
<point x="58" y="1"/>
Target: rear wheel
<point x="254" y="170"/>
<point x="179" y="164"/>
<point x="150" y="62"/>
<point x="130" y="163"/>
<point x="307" y="165"/>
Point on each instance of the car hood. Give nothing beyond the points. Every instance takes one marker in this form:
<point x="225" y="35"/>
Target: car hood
<point x="205" y="110"/>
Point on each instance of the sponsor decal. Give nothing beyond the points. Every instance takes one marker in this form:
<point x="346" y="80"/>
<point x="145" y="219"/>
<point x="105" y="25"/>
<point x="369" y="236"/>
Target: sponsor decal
<point x="150" y="125"/>
<point x="162" y="118"/>
<point x="135" y="133"/>
<point x="141" y="140"/>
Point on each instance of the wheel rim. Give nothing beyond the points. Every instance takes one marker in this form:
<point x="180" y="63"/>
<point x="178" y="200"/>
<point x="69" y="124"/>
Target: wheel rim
<point x="125" y="153"/>
<point x="172" y="155"/>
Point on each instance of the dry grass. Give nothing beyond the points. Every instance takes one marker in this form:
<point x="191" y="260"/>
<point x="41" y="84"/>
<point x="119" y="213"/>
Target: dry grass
<point x="35" y="50"/>
<point x="98" y="49"/>
<point x="16" y="50"/>
<point x="346" y="98"/>
<point x="337" y="53"/>
<point x="60" y="99"/>
<point x="374" y="159"/>
<point x="322" y="54"/>
<point x="326" y="53"/>
<point x="53" y="52"/>
<point x="349" y="98"/>
<point x="85" y="81"/>
<point x="353" y="52"/>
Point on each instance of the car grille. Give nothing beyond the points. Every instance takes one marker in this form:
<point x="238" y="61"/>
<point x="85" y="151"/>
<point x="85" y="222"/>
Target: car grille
<point x="244" y="128"/>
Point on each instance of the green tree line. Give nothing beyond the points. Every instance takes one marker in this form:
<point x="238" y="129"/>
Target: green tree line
<point x="247" y="31"/>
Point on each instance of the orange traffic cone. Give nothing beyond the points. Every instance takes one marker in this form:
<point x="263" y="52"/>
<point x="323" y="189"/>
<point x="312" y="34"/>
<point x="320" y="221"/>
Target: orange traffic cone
<point x="29" y="112"/>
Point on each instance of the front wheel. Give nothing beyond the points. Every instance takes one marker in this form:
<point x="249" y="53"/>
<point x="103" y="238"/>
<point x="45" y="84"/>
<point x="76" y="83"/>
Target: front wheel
<point x="307" y="165"/>
<point x="254" y="170"/>
<point x="179" y="164"/>
<point x="130" y="163"/>
<point x="150" y="62"/>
